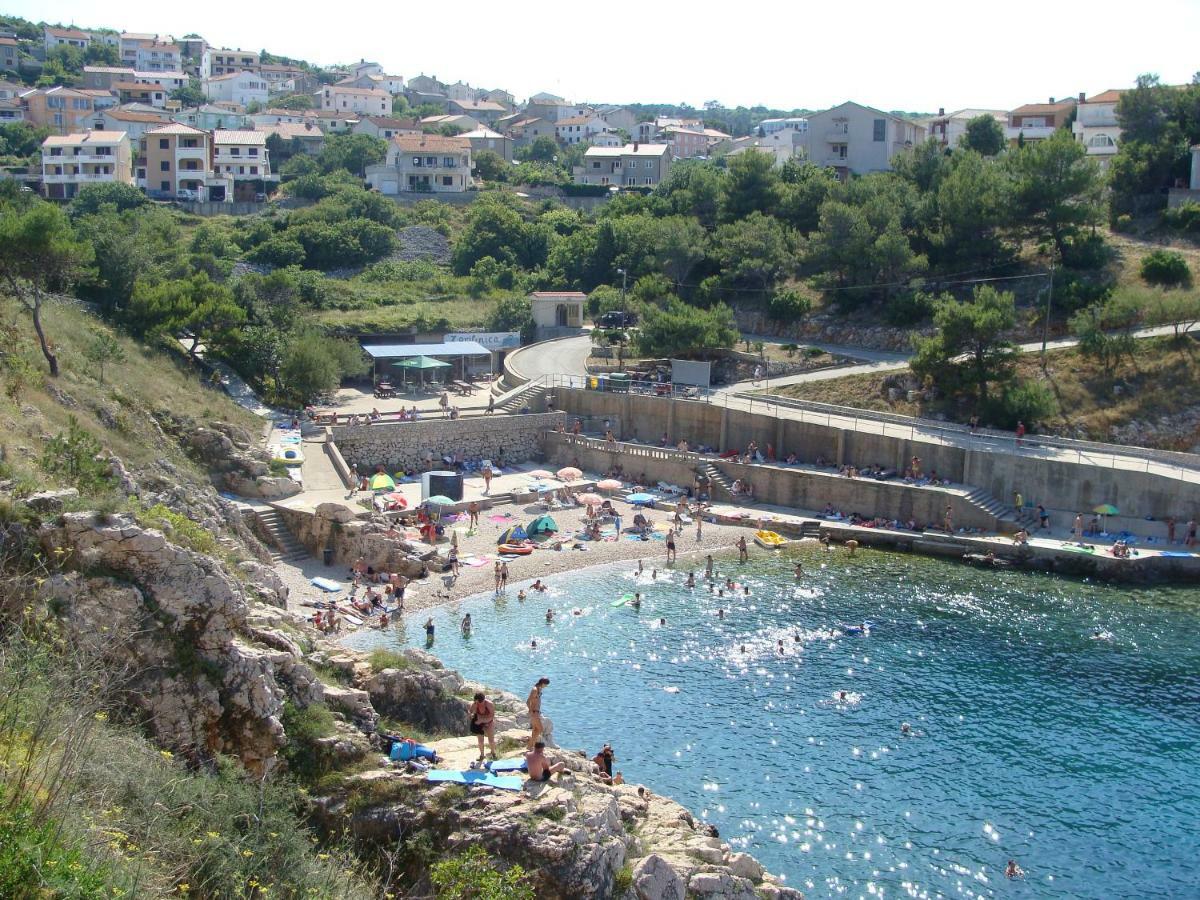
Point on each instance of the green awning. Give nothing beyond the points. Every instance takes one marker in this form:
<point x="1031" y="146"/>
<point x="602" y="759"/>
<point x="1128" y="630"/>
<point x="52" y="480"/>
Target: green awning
<point x="419" y="362"/>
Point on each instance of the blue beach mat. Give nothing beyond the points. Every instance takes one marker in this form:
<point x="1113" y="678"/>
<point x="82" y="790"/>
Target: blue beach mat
<point x="517" y="764"/>
<point x="475" y="776"/>
<point x="1176" y="554"/>
<point x="327" y="584"/>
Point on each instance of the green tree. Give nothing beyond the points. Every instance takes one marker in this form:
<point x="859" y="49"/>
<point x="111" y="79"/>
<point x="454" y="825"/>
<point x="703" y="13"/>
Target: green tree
<point x="805" y="187"/>
<point x="969" y="352"/>
<point x="984" y="135"/>
<point x="190" y="94"/>
<point x="490" y="165"/>
<point x="294" y="101"/>
<point x="543" y="149"/>
<point x="692" y="189"/>
<point x="92" y="197"/>
<point x="495" y="227"/>
<point x="40" y="256"/>
<point x="753" y="252"/>
<point x="678" y="328"/>
<point x="1056" y="189"/>
<point x="104" y="348"/>
<point x="973" y="206"/>
<point x="196" y="309"/>
<point x="751" y="185"/>
<point x="352" y="153"/>
<point x="788" y="306"/>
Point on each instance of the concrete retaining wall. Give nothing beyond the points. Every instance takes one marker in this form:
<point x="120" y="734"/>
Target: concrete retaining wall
<point x="801" y="489"/>
<point x="402" y="445"/>
<point x="1061" y="485"/>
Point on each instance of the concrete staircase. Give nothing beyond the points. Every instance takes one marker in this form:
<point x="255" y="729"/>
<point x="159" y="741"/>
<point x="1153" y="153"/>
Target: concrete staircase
<point x="283" y="544"/>
<point x="810" y="529"/>
<point x="533" y="397"/>
<point x="720" y="486"/>
<point x="981" y="499"/>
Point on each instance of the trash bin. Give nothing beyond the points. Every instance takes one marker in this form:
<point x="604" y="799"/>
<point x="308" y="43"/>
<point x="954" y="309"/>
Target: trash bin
<point x="327" y="554"/>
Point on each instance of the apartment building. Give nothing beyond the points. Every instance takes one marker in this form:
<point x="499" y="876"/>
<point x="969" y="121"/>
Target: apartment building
<point x="102" y="78"/>
<point x="948" y="129"/>
<point x="197" y="55"/>
<point x="1037" y="121"/>
<point x="307" y="135"/>
<point x="240" y="87"/>
<point x="65" y="37"/>
<point x="150" y="53"/>
<point x="686" y="143"/>
<point x="792" y="123"/>
<point x="856" y="139"/>
<point x="62" y="110"/>
<point x="426" y="163"/>
<point x="224" y="61"/>
<point x="633" y="165"/>
<point x="140" y="92"/>
<point x="72" y="161"/>
<point x="360" y="101"/>
<point x="1096" y="125"/>
<point x="11" y="109"/>
<point x="179" y="165"/>
<point x="486" y="139"/>
<point x="483" y="111"/>
<point x="8" y="55"/>
<point x="242" y="157"/>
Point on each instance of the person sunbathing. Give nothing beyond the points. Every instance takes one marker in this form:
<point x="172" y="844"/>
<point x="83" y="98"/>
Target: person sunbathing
<point x="539" y="767"/>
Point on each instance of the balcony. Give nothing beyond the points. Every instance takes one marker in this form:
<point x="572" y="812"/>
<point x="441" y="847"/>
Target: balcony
<point x="837" y="136"/>
<point x="200" y="153"/>
<point x="831" y="159"/>
<point x="1031" y="132"/>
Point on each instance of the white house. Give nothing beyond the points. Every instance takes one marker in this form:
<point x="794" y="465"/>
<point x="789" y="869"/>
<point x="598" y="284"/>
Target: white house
<point x="794" y="123"/>
<point x="633" y="165"/>
<point x="579" y="129"/>
<point x="72" y="161"/>
<point x="65" y="37"/>
<point x="948" y="129"/>
<point x="486" y="139"/>
<point x="607" y="139"/>
<point x="385" y="127"/>
<point x="241" y="87"/>
<point x="1096" y="125"/>
<point x="149" y="53"/>
<point x="856" y="139"/>
<point x="554" y="310"/>
<point x="782" y="145"/>
<point x="423" y="163"/>
<point x="369" y="101"/>
<point x="171" y="81"/>
<point x="242" y="157"/>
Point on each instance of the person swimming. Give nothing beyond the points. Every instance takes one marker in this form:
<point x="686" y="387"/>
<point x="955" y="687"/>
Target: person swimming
<point x="720" y="592"/>
<point x="796" y="638"/>
<point x="521" y="595"/>
<point x="533" y="644"/>
<point x="1012" y="870"/>
<point x="746" y="590"/>
<point x="691" y="580"/>
<point x="654" y="574"/>
<point x="636" y="602"/>
<point x="662" y="622"/>
<point x="905" y="728"/>
<point x="743" y="650"/>
<point x="779" y="649"/>
<point x="720" y="613"/>
<point x="639" y="568"/>
<point x="798" y="572"/>
<point x="549" y="615"/>
<point x="538" y="586"/>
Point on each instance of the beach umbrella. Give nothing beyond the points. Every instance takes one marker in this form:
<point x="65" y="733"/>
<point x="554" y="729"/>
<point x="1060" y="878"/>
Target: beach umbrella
<point x="593" y="499"/>
<point x="569" y="473"/>
<point x="440" y="500"/>
<point x="641" y="498"/>
<point x="1106" y="510"/>
<point x="540" y="473"/>
<point x="382" y="481"/>
<point x="512" y="535"/>
<point x="609" y="484"/>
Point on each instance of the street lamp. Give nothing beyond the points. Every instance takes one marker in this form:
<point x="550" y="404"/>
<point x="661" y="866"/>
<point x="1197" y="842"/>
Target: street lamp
<point x="624" y="279"/>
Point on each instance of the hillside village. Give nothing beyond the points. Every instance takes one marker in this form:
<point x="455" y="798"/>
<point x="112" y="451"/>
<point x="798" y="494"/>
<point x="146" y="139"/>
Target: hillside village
<point x="185" y="120"/>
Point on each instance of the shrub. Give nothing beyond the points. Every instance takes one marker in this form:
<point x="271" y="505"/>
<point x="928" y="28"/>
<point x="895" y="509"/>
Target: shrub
<point x="73" y="455"/>
<point x="304" y="726"/>
<point x="1185" y="218"/>
<point x="1123" y="222"/>
<point x="1166" y="268"/>
<point x="1022" y="401"/>
<point x="178" y="527"/>
<point x="1088" y="251"/>
<point x="788" y="306"/>
<point x="471" y="875"/>
<point x="909" y="307"/>
<point x="33" y="856"/>
<point x="381" y="659"/>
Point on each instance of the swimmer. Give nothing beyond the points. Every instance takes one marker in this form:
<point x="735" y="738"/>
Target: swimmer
<point x="1012" y="870"/>
<point x="729" y="585"/>
<point x="721" y="592"/>
<point x="533" y="644"/>
<point x="720" y="613"/>
<point x="662" y="622"/>
<point x="691" y="580"/>
<point x="549" y="615"/>
<point x="841" y="695"/>
<point x="743" y="648"/>
<point x="796" y="638"/>
<point x="639" y="568"/>
<point x="905" y="728"/>
<point x="654" y="574"/>
<point x="636" y="603"/>
<point x="708" y="566"/>
<point x="746" y="590"/>
<point x="521" y="595"/>
<point x="577" y="611"/>
<point x="852" y="546"/>
<point x="538" y="586"/>
<point x="710" y="587"/>
<point x="780" y="649"/>
<point x="798" y="571"/>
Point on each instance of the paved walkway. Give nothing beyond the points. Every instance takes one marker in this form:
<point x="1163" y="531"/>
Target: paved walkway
<point x="565" y="356"/>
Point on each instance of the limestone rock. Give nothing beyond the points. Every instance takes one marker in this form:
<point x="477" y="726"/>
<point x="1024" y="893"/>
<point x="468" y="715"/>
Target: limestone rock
<point x="721" y="885"/>
<point x="654" y="879"/>
<point x="335" y="512"/>
<point x="51" y="501"/>
<point x="419" y="697"/>
<point x="743" y="865"/>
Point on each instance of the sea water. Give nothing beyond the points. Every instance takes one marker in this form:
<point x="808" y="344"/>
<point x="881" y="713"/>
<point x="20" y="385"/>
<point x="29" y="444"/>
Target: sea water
<point x="1052" y="721"/>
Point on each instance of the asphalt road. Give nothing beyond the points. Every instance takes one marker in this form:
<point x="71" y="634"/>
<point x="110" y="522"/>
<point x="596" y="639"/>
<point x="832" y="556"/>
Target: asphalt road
<point x="565" y="356"/>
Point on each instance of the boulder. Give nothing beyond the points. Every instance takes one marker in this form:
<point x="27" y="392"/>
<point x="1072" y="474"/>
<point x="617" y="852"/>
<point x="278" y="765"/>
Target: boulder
<point x="743" y="865"/>
<point x="420" y="698"/>
<point x="51" y="502"/>
<point x="721" y="886"/>
<point x="335" y="512"/>
<point x="654" y="879"/>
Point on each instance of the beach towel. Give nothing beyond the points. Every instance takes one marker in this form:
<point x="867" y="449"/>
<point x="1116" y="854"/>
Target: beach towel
<point x="498" y="519"/>
<point x="476" y="776"/>
<point x="475" y="562"/>
<point x="516" y="764"/>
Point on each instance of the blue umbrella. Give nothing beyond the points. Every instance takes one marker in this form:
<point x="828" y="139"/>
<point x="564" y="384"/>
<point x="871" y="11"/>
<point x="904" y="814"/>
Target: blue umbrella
<point x="641" y="498"/>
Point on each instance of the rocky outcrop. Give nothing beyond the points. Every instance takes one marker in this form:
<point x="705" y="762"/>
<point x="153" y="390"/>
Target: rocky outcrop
<point x="175" y="623"/>
<point x="228" y="453"/>
<point x="336" y="527"/>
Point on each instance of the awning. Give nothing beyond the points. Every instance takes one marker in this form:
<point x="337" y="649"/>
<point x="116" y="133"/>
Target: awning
<point x="402" y="351"/>
<point x="420" y="362"/>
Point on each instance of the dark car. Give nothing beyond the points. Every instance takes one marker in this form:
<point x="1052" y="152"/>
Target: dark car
<point x="617" y="319"/>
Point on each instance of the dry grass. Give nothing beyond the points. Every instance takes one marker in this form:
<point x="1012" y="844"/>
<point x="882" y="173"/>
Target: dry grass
<point x="1164" y="379"/>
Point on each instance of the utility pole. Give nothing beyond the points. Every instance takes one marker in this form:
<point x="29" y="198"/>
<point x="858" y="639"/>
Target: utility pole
<point x="1046" y="321"/>
<point x="624" y="279"/>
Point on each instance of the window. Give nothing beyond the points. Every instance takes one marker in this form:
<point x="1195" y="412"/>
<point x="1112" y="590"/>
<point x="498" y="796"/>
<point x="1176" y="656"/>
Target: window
<point x="235" y="151"/>
<point x="166" y="185"/>
<point x="254" y="170"/>
<point x="241" y="170"/>
<point x="649" y="181"/>
<point x="58" y="170"/>
<point x="448" y="162"/>
<point x="596" y="164"/>
<point x="164" y="165"/>
<point x="649" y="164"/>
<point x="56" y="151"/>
<point x="447" y="181"/>
<point x="163" y="143"/>
<point x="253" y="151"/>
<point x="880" y="132"/>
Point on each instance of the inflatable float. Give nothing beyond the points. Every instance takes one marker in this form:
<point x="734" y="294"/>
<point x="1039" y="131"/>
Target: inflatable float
<point x="515" y="549"/>
<point x="291" y="456"/>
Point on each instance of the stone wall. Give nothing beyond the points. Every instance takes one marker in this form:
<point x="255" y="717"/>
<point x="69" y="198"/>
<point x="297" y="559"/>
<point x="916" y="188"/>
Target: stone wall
<point x="402" y="445"/>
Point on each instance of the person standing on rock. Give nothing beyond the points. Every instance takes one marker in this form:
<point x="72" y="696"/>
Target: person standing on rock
<point x="743" y="550"/>
<point x="483" y="723"/>
<point x="533" y="703"/>
<point x="503" y="576"/>
<point x="429" y="632"/>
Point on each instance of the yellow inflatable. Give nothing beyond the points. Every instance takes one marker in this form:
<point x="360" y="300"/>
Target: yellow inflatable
<point x="769" y="539"/>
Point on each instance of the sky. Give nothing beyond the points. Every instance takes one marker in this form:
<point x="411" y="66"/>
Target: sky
<point x="915" y="56"/>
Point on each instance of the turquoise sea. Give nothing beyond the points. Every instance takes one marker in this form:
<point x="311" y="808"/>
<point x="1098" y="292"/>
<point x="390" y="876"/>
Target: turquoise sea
<point x="1031" y="739"/>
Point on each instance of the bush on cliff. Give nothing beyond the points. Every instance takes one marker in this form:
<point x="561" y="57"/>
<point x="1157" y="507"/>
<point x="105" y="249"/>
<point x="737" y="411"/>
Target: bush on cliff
<point x="471" y="875"/>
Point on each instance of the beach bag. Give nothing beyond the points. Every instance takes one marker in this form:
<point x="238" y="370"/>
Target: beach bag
<point x="404" y="750"/>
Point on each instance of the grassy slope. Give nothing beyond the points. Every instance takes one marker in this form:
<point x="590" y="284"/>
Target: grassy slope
<point x="147" y="379"/>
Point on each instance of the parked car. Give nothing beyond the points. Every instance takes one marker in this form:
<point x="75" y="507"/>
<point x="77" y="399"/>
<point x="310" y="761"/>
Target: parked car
<point x="187" y="194"/>
<point x="617" y="319"/>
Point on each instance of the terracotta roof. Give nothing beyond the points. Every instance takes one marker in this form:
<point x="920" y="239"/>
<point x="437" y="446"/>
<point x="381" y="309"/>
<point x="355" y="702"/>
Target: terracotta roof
<point x="1033" y="109"/>
<point x="108" y="70"/>
<point x="576" y="120"/>
<point x="484" y="105"/>
<point x="386" y="122"/>
<point x="239" y="137"/>
<point x="1112" y="95"/>
<point x="573" y="295"/>
<point x="88" y="137"/>
<point x="125" y="115"/>
<point x="176" y="128"/>
<point x="73" y="33"/>
<point x="8" y="42"/>
<point x="135" y="86"/>
<point x="433" y="143"/>
<point x="292" y="130"/>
